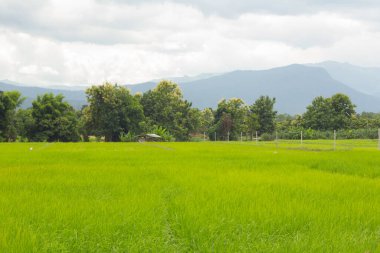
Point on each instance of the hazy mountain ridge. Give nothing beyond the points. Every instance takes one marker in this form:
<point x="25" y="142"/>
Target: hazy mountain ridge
<point x="364" y="79"/>
<point x="294" y="87"/>
<point x="76" y="98"/>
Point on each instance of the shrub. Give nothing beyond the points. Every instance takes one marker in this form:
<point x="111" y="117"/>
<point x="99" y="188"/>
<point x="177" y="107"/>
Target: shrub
<point x="165" y="135"/>
<point x="129" y="137"/>
<point x="267" y="137"/>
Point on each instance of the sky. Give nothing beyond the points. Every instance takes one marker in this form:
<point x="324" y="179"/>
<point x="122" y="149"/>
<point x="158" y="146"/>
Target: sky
<point x="84" y="42"/>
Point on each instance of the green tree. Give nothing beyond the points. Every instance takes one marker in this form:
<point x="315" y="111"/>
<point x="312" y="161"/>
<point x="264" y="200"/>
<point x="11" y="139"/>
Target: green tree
<point x="318" y="114"/>
<point x="365" y="120"/>
<point x="164" y="106"/>
<point x="112" y="111"/>
<point x="9" y="101"/>
<point x="230" y="119"/>
<point x="252" y="123"/>
<point x="266" y="115"/>
<point x="54" y="119"/>
<point x="206" y="120"/>
<point x="24" y="123"/>
<point x="195" y="120"/>
<point x="342" y="111"/>
<point x="329" y="113"/>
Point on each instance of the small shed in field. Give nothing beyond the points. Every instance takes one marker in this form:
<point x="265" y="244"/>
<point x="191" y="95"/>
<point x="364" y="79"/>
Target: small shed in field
<point x="149" y="137"/>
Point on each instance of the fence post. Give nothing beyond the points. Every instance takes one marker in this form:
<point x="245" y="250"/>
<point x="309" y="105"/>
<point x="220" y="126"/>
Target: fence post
<point x="228" y="136"/>
<point x="257" y="139"/>
<point x="334" y="140"/>
<point x="204" y="136"/>
<point x="215" y="136"/>
<point x="379" y="137"/>
<point x="301" y="138"/>
<point x="241" y="136"/>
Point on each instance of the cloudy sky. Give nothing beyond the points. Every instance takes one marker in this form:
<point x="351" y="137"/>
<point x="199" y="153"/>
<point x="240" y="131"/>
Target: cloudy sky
<point x="53" y="42"/>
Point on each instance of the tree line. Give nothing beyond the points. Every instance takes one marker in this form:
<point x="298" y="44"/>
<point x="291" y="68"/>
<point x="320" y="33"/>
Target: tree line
<point x="114" y="114"/>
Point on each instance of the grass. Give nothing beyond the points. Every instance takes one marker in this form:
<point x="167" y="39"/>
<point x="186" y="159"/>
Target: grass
<point x="190" y="197"/>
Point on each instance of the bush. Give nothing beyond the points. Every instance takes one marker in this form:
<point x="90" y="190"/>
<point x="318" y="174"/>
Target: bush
<point x="165" y="135"/>
<point x="358" y="134"/>
<point x="267" y="137"/>
<point x="310" y="134"/>
<point x="129" y="137"/>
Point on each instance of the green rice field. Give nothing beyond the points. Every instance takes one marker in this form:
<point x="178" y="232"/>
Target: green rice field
<point x="190" y="197"/>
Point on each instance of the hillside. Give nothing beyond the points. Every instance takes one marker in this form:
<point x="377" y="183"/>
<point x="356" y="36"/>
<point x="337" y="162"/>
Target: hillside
<point x="293" y="86"/>
<point x="76" y="98"/>
<point x="366" y="80"/>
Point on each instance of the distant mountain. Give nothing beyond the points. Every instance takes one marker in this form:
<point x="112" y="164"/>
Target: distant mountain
<point x="187" y="79"/>
<point x="53" y="87"/>
<point x="293" y="86"/>
<point x="142" y="87"/>
<point x="76" y="98"/>
<point x="366" y="80"/>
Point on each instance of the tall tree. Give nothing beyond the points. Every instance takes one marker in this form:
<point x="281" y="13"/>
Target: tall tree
<point x="54" y="119"/>
<point x="266" y="115"/>
<point x="112" y="110"/>
<point x="164" y="106"/>
<point x="207" y="120"/>
<point x="230" y="119"/>
<point x="318" y="114"/>
<point x="9" y="101"/>
<point x="342" y="111"/>
<point x="329" y="113"/>
<point x="25" y="124"/>
<point x="252" y="123"/>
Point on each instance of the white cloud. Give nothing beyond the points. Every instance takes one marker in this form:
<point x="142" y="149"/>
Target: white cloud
<point x="87" y="42"/>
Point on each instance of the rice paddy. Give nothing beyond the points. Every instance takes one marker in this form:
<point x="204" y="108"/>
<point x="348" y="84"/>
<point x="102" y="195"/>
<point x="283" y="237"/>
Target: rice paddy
<point x="190" y="197"/>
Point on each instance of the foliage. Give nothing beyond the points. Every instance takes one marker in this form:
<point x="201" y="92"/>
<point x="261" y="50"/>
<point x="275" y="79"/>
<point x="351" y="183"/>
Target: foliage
<point x="311" y="134"/>
<point x="165" y="135"/>
<point x="230" y="119"/>
<point x="329" y="113"/>
<point x="365" y="120"/>
<point x="114" y="114"/>
<point x="112" y="110"/>
<point x="164" y="106"/>
<point x="267" y="137"/>
<point x="129" y="137"/>
<point x="266" y="115"/>
<point x="252" y="123"/>
<point x="9" y="101"/>
<point x="206" y="120"/>
<point x="54" y="119"/>
<point x="24" y="124"/>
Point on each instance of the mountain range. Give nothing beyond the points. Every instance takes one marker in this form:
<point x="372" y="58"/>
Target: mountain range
<point x="293" y="86"/>
<point x="366" y="80"/>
